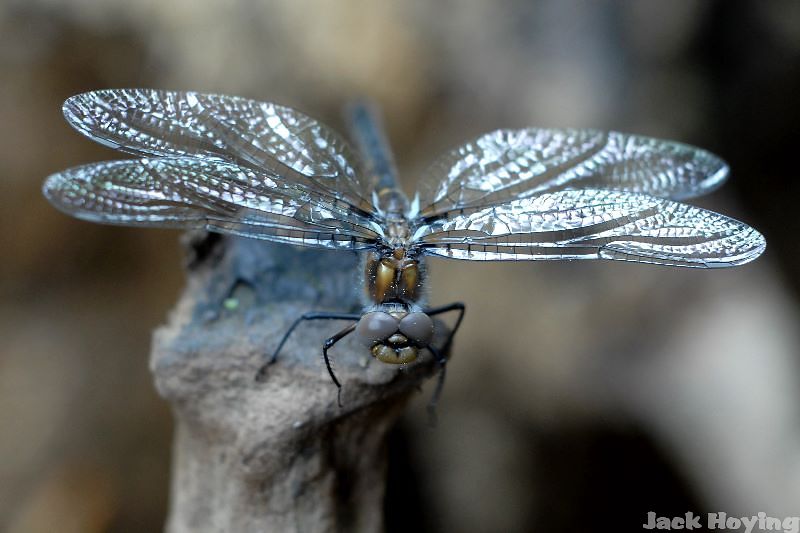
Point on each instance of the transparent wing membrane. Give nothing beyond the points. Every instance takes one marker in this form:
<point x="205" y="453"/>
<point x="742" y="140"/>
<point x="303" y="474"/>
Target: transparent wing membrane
<point x="593" y="224"/>
<point x="211" y="194"/>
<point x="251" y="134"/>
<point x="507" y="164"/>
<point x="260" y="170"/>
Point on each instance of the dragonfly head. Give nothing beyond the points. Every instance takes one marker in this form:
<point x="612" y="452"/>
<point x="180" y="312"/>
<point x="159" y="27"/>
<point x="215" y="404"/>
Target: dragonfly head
<point x="395" y="337"/>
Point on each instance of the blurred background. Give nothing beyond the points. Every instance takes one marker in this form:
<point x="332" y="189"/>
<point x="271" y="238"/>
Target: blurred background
<point x="580" y="396"/>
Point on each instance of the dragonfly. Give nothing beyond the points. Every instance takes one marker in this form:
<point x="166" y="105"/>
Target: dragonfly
<point x="236" y="166"/>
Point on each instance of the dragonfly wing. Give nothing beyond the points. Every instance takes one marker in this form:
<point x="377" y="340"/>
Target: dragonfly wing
<point x="593" y="224"/>
<point x="507" y="164"/>
<point x="251" y="134"/>
<point x="188" y="192"/>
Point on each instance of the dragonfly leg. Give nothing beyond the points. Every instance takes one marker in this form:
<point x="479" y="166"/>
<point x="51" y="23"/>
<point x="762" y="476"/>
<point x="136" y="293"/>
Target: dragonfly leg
<point x="314" y="315"/>
<point x="327" y="346"/>
<point x="455" y="306"/>
<point x="440" y="354"/>
<point x="441" y="360"/>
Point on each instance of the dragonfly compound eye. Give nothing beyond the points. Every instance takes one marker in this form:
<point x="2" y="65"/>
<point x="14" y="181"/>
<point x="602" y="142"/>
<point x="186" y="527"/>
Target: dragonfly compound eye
<point x="418" y="327"/>
<point x="376" y="327"/>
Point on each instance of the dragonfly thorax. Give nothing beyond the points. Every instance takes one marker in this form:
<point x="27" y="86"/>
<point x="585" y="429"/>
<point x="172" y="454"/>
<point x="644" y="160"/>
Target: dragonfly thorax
<point x="393" y="208"/>
<point x="392" y="275"/>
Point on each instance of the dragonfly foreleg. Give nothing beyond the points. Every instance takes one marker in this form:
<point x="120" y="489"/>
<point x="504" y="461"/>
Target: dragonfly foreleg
<point x="314" y="315"/>
<point x="455" y="306"/>
<point x="441" y="360"/>
<point x="327" y="346"/>
<point x="440" y="354"/>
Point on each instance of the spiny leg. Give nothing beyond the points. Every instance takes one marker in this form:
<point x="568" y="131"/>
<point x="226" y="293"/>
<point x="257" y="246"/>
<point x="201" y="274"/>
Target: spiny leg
<point x="455" y="306"/>
<point x="314" y="315"/>
<point x="440" y="355"/>
<point x="441" y="360"/>
<point x="327" y="346"/>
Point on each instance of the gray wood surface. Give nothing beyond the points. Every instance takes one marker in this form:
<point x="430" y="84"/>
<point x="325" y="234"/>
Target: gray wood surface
<point x="277" y="455"/>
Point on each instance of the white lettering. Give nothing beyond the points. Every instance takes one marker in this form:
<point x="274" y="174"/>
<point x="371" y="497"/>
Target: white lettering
<point x="716" y="520"/>
<point x="692" y="521"/>
<point x="749" y="523"/>
<point x="745" y="524"/>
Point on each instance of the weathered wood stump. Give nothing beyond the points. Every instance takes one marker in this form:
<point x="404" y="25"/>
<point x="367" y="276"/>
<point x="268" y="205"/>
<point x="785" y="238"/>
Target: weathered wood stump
<point x="277" y="455"/>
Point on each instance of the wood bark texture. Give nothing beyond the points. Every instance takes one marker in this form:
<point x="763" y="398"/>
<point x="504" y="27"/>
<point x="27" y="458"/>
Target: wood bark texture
<point x="277" y="455"/>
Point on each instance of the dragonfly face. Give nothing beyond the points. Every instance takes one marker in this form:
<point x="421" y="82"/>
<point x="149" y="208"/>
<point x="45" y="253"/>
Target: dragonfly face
<point x="265" y="171"/>
<point x="395" y="336"/>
